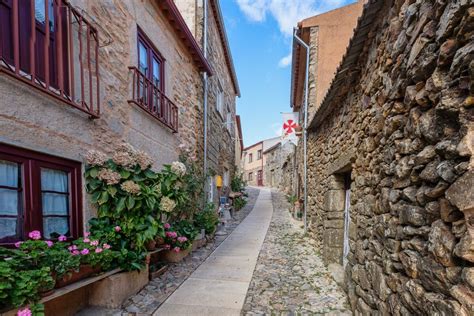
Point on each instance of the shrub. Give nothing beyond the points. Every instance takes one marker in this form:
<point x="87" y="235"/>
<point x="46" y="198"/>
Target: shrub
<point x="239" y="203"/>
<point x="207" y="219"/>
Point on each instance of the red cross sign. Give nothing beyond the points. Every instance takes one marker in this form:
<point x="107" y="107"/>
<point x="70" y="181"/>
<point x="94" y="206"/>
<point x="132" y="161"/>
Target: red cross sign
<point x="289" y="126"/>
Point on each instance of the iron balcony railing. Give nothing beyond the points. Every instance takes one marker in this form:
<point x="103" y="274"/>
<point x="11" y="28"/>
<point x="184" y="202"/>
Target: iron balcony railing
<point x="148" y="96"/>
<point x="50" y="46"/>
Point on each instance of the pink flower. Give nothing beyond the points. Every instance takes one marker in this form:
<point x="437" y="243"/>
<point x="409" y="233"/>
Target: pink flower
<point x="75" y="252"/>
<point x="49" y="243"/>
<point x="35" y="234"/>
<point x="176" y="249"/>
<point x="18" y="244"/>
<point x="106" y="246"/>
<point x="166" y="246"/>
<point x="117" y="228"/>
<point x="85" y="251"/>
<point x="98" y="250"/>
<point x="24" y="312"/>
<point x="182" y="239"/>
<point x="171" y="234"/>
<point x="167" y="226"/>
<point x="87" y="234"/>
<point x="62" y="238"/>
<point x="86" y="240"/>
<point x="71" y="248"/>
<point x="94" y="243"/>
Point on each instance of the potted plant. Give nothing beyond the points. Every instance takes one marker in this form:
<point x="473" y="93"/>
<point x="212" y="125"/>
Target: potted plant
<point x="207" y="220"/>
<point x="176" y="244"/>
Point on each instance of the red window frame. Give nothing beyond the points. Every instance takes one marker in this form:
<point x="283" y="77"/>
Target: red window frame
<point x="30" y="215"/>
<point x="152" y="53"/>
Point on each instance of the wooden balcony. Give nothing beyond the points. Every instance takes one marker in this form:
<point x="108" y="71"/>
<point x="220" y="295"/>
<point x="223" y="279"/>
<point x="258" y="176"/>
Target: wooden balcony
<point x="48" y="45"/>
<point x="148" y="96"/>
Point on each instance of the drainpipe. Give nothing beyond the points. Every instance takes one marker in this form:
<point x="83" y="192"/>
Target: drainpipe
<point x="305" y="128"/>
<point x="205" y="81"/>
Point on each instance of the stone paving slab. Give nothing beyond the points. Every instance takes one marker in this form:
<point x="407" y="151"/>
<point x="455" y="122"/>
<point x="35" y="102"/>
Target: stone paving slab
<point x="219" y="285"/>
<point x="290" y="277"/>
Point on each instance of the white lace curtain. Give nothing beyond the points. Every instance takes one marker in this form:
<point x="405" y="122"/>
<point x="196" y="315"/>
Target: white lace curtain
<point x="8" y="198"/>
<point x="54" y="203"/>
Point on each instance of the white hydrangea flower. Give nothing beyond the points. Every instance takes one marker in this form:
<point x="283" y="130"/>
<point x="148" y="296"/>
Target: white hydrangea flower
<point x="179" y="168"/>
<point x="167" y="205"/>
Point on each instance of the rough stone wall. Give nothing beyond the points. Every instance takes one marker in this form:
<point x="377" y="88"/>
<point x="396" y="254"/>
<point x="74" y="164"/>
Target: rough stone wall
<point x="404" y="130"/>
<point x="32" y="120"/>
<point x="272" y="168"/>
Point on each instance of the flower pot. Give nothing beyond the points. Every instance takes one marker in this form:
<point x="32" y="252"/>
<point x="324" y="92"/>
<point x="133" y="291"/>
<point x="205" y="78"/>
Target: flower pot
<point x="83" y="272"/>
<point x="173" y="256"/>
<point x="46" y="292"/>
<point x="150" y="245"/>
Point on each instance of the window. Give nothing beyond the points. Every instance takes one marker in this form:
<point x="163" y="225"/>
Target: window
<point x="38" y="192"/>
<point x="259" y="154"/>
<point x="250" y="158"/>
<point x="226" y="177"/>
<point x="220" y="100"/>
<point x="50" y="51"/>
<point x="228" y="122"/>
<point x="250" y="176"/>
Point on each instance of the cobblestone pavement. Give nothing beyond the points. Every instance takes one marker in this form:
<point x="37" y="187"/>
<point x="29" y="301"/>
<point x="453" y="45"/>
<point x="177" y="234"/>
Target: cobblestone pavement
<point x="159" y="289"/>
<point x="290" y="277"/>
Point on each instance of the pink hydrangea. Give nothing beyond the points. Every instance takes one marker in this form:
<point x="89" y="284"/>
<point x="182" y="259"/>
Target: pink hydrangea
<point x="87" y="234"/>
<point x="98" y="250"/>
<point x="86" y="240"/>
<point x="106" y="246"/>
<point x="49" y="243"/>
<point x="176" y="249"/>
<point x="85" y="251"/>
<point x="166" y="246"/>
<point x="94" y="243"/>
<point x="182" y="239"/>
<point x="24" y="312"/>
<point x="117" y="228"/>
<point x="167" y="226"/>
<point x="18" y="244"/>
<point x="62" y="238"/>
<point x="35" y="234"/>
<point x="75" y="252"/>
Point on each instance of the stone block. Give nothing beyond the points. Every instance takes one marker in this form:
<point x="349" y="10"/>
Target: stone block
<point x="334" y="200"/>
<point x="111" y="292"/>
<point x="333" y="237"/>
<point x="461" y="192"/>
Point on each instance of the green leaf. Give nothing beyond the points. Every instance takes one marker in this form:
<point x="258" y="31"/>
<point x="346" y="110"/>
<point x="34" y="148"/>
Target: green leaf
<point x="104" y="197"/>
<point x="112" y="190"/>
<point x="121" y="204"/>
<point x="124" y="174"/>
<point x="130" y="202"/>
<point x="93" y="172"/>
<point x="96" y="196"/>
<point x="150" y="174"/>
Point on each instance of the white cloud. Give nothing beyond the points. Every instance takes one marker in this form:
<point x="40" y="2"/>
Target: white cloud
<point x="285" y="61"/>
<point x="287" y="13"/>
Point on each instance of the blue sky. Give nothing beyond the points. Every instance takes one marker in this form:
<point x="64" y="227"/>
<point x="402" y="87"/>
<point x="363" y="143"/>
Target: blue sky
<point x="259" y="32"/>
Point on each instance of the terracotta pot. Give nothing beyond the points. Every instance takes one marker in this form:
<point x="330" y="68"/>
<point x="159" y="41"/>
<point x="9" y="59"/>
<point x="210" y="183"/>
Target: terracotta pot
<point x="83" y="272"/>
<point x="172" y="256"/>
<point x="150" y="245"/>
<point x="46" y="293"/>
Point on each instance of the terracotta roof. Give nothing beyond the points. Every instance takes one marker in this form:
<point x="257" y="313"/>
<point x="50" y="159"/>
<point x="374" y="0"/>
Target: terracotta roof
<point x="248" y="147"/>
<point x="176" y="20"/>
<point x="227" y="52"/>
<point x="348" y="69"/>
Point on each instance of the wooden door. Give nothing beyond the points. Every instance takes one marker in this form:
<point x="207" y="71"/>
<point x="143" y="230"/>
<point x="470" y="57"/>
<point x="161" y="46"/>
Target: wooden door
<point x="260" y="178"/>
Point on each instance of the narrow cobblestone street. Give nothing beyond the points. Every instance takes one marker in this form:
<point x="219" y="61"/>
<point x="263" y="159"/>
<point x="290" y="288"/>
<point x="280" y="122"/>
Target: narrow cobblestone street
<point x="290" y="277"/>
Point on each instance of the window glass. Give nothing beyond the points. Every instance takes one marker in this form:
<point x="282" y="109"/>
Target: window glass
<point x="40" y="13"/>
<point x="9" y="198"/>
<point x="142" y="58"/>
<point x="55" y="198"/>
<point x="156" y="72"/>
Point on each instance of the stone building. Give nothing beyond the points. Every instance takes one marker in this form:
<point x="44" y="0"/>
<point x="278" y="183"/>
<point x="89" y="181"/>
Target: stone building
<point x="327" y="36"/>
<point x="239" y="145"/>
<point x="275" y="158"/>
<point x="222" y="88"/>
<point x="252" y="164"/>
<point x="391" y="170"/>
<point x="113" y="72"/>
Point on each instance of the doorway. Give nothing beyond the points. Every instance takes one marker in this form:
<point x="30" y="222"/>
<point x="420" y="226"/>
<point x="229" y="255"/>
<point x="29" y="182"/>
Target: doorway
<point x="347" y="216"/>
<point x="260" y="178"/>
